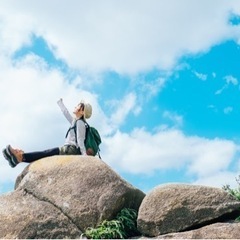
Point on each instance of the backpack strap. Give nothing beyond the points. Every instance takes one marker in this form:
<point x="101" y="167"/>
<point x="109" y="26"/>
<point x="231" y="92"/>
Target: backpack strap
<point x="74" y="127"/>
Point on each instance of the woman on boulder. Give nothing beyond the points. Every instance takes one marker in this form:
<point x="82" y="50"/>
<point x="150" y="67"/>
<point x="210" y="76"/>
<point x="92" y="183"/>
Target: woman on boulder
<point x="74" y="143"/>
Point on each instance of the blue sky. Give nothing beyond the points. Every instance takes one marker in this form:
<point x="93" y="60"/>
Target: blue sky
<point x="162" y="77"/>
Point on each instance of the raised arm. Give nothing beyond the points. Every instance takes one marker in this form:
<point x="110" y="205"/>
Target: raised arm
<point x="64" y="110"/>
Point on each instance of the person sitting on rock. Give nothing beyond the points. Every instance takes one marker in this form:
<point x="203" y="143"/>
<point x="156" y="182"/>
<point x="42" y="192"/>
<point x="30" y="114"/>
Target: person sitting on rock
<point x="74" y="143"/>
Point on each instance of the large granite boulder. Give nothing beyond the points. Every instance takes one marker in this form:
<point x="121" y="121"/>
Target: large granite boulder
<point x="178" y="207"/>
<point x="59" y="193"/>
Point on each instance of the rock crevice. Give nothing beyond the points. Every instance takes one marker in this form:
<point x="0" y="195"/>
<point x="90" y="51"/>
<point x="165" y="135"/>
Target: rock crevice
<point x="44" y="199"/>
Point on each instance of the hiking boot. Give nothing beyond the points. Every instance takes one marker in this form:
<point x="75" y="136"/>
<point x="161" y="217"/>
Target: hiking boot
<point x="11" y="152"/>
<point x="8" y="158"/>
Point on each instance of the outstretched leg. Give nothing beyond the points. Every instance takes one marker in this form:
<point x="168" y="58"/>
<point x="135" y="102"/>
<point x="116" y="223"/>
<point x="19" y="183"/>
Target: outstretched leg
<point x="33" y="156"/>
<point x="15" y="156"/>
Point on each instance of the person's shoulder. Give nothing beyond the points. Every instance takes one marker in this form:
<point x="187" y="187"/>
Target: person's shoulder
<point x="81" y="122"/>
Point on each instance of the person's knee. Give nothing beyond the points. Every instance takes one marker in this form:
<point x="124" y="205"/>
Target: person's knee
<point x="68" y="150"/>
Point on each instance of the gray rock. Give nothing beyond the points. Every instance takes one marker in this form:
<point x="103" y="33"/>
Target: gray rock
<point x="213" y="231"/>
<point x="177" y="207"/>
<point x="23" y="216"/>
<point x="72" y="191"/>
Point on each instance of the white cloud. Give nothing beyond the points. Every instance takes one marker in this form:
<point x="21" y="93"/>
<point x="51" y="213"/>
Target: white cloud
<point x="123" y="108"/>
<point x="117" y="35"/>
<point x="219" y="91"/>
<point x="211" y="156"/>
<point x="13" y="33"/>
<point x="231" y="80"/>
<point x="201" y="76"/>
<point x="219" y="179"/>
<point x="141" y="152"/>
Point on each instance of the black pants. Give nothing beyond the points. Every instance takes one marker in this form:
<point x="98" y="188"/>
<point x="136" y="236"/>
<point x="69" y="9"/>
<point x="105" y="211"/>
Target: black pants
<point x="33" y="156"/>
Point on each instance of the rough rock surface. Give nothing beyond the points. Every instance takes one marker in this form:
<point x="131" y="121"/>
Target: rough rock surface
<point x="213" y="231"/>
<point x="23" y="216"/>
<point x="64" y="192"/>
<point x="177" y="207"/>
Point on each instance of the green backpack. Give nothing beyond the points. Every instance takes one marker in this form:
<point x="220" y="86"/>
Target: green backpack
<point x="92" y="139"/>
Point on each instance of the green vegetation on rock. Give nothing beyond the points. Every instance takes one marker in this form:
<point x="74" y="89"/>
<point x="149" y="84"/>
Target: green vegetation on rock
<point x="234" y="192"/>
<point x="124" y="226"/>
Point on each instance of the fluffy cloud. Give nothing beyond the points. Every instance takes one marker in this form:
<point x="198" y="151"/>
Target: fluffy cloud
<point x="231" y="80"/>
<point x="141" y="152"/>
<point x="220" y="179"/>
<point x="125" y="36"/>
